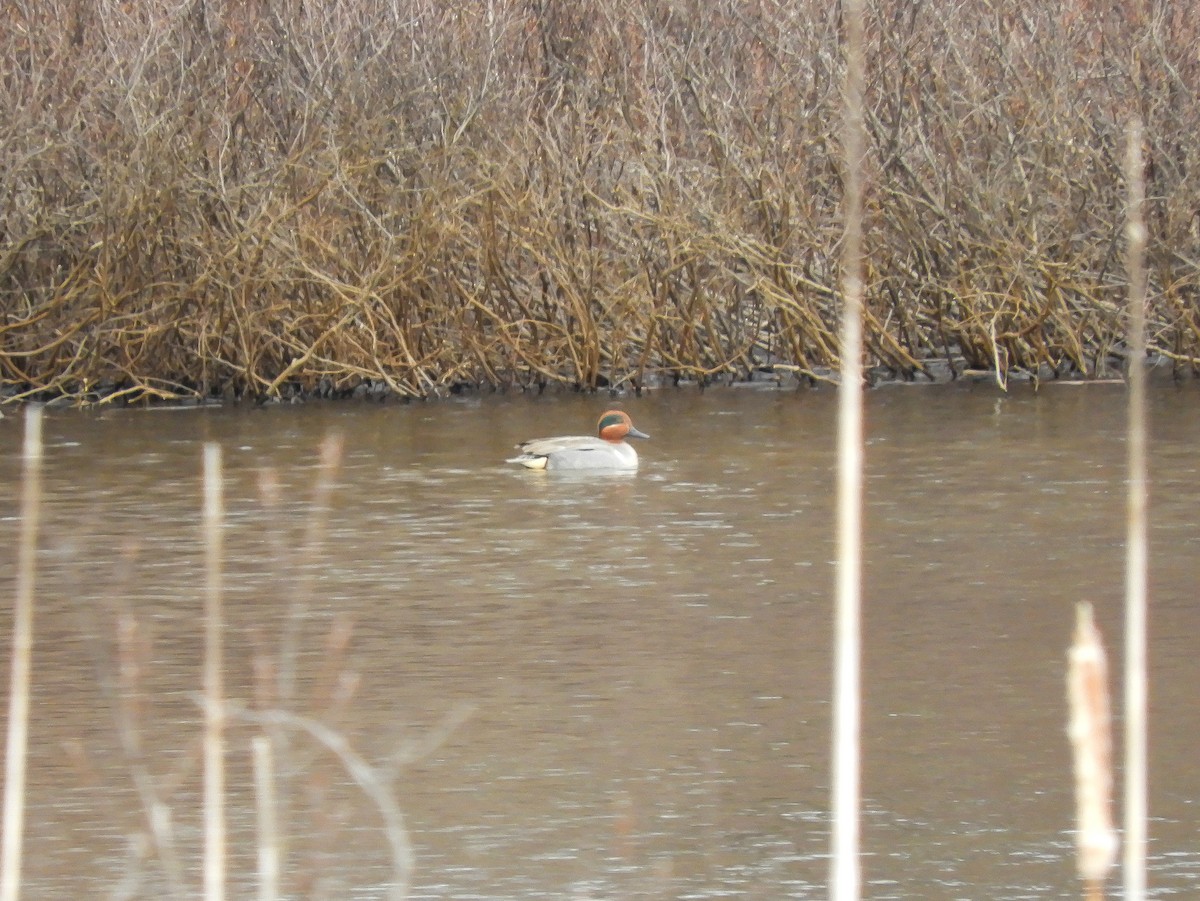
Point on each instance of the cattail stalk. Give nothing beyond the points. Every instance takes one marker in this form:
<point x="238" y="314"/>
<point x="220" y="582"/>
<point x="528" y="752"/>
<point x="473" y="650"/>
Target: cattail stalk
<point x="845" y="872"/>
<point x="1091" y="740"/>
<point x="22" y="656"/>
<point x="1136" y="542"/>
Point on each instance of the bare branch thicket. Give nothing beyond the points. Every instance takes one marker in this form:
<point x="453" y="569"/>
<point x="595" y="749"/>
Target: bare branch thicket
<point x="408" y="197"/>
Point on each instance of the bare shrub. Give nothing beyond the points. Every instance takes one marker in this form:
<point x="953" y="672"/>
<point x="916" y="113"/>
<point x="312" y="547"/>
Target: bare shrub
<point x="257" y="199"/>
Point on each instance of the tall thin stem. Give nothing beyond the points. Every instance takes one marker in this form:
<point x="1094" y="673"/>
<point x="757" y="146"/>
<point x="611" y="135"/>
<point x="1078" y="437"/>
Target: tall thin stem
<point x="214" y="709"/>
<point x="845" y="875"/>
<point x="1134" y="862"/>
<point x="268" y="825"/>
<point x="22" y="655"/>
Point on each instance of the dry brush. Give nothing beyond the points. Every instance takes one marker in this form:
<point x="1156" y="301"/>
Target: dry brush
<point x="257" y="199"/>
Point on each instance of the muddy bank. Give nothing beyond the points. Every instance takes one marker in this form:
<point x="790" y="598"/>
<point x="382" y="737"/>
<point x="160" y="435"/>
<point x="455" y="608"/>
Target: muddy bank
<point x="934" y="373"/>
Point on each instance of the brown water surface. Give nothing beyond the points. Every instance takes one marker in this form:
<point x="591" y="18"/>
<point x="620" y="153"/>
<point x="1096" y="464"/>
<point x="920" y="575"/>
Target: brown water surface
<point x="609" y="687"/>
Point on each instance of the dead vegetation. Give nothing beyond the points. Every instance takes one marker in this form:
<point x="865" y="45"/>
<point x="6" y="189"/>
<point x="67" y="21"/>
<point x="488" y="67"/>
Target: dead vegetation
<point x="251" y="199"/>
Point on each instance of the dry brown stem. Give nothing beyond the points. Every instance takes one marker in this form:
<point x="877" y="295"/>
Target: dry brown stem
<point x="20" y="673"/>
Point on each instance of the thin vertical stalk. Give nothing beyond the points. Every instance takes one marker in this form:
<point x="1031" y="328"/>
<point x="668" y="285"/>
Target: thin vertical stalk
<point x="845" y="872"/>
<point x="22" y="656"/>
<point x="1134" y="862"/>
<point x="268" y="827"/>
<point x="214" y="710"/>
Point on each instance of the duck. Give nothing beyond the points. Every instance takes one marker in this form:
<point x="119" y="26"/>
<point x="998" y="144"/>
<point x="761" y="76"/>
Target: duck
<point x="573" y="452"/>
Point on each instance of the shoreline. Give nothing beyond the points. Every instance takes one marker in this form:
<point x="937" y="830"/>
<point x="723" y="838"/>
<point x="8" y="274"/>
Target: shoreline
<point x="777" y="378"/>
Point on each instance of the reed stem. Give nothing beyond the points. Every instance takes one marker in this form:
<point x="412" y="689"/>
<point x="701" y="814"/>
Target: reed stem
<point x="268" y="827"/>
<point x="214" y="711"/>
<point x="845" y="876"/>
<point x="22" y="655"/>
<point x="1134" y="862"/>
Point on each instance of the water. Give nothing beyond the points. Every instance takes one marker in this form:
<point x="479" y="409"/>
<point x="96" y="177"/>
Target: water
<point x="613" y="687"/>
